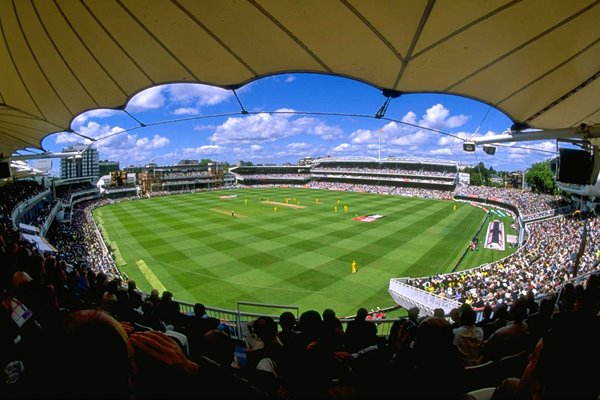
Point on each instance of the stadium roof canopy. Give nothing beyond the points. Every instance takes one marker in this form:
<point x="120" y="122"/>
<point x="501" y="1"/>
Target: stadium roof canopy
<point x="537" y="61"/>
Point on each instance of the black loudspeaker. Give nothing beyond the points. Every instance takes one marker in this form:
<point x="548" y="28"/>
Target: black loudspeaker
<point x="4" y="170"/>
<point x="575" y="166"/>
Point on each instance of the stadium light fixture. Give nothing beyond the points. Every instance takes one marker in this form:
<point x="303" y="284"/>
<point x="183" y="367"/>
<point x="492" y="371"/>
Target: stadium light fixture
<point x="489" y="149"/>
<point x="469" y="146"/>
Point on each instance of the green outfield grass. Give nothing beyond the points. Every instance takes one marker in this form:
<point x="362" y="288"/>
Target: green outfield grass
<point x="193" y="246"/>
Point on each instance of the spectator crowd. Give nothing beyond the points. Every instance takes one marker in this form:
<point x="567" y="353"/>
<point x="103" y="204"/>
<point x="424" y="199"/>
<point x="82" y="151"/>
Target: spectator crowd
<point x="72" y="328"/>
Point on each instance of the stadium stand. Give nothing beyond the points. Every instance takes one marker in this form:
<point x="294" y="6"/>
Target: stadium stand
<point x="392" y="175"/>
<point x="530" y="206"/>
<point x="271" y="174"/>
<point x="420" y="173"/>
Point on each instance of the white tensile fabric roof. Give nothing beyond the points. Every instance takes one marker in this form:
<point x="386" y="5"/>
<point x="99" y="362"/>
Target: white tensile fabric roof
<point x="537" y="61"/>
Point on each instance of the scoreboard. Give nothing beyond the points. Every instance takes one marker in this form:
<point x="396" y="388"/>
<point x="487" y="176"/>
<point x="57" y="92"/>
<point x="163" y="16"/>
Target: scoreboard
<point x="118" y="178"/>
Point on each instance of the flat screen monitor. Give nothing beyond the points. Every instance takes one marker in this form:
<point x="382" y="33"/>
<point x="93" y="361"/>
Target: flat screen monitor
<point x="4" y="170"/>
<point x="575" y="166"/>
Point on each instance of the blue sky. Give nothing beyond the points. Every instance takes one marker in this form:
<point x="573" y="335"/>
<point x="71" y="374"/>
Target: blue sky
<point x="264" y="137"/>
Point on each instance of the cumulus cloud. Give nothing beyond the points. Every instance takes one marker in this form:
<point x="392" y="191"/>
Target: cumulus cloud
<point x="438" y="117"/>
<point x="201" y="128"/>
<point x="97" y="114"/>
<point x="186" y="111"/>
<point x="200" y="95"/>
<point x="78" y="121"/>
<point x="326" y="132"/>
<point x="91" y="130"/>
<point x="255" y="147"/>
<point x="150" y="99"/>
<point x="410" y="118"/>
<point x="446" y="140"/>
<point x="398" y="134"/>
<point x="101" y="113"/>
<point x="205" y="150"/>
<point x="413" y="139"/>
<point x="342" y="148"/>
<point x="299" y="146"/>
<point x="181" y="98"/>
<point x="114" y="143"/>
<point x="254" y="128"/>
<point x="438" y="152"/>
<point x="265" y="127"/>
<point x="363" y="136"/>
<point x="155" y="142"/>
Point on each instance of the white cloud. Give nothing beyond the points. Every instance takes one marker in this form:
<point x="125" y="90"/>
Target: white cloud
<point x="98" y="113"/>
<point x="114" y="143"/>
<point x="201" y="128"/>
<point x="446" y="140"/>
<point x="290" y="79"/>
<point x="342" y="148"/>
<point x="255" y="147"/>
<point x="326" y="132"/>
<point x="92" y="130"/>
<point x="78" y="121"/>
<point x="101" y="113"/>
<point x="185" y="98"/>
<point x="445" y="152"/>
<point x="265" y="127"/>
<point x="149" y="99"/>
<point x="412" y="139"/>
<point x="516" y="156"/>
<point x="410" y="118"/>
<point x="186" y="111"/>
<point x="259" y="127"/>
<point x="362" y="136"/>
<point x="299" y="146"/>
<point x="155" y="143"/>
<point x="437" y="117"/>
<point x="209" y="149"/>
<point x="548" y="146"/>
<point x="398" y="134"/>
<point x="67" y="138"/>
<point x="200" y="95"/>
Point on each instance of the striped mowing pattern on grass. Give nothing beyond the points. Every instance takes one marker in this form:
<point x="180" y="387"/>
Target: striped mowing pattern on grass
<point x="150" y="277"/>
<point x="292" y="256"/>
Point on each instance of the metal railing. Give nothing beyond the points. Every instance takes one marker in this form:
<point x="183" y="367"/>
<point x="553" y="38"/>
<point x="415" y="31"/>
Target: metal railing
<point x="409" y="296"/>
<point x="236" y="320"/>
<point x="49" y="219"/>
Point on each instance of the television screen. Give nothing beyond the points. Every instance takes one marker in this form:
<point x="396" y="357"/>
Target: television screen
<point x="574" y="166"/>
<point x="4" y="170"/>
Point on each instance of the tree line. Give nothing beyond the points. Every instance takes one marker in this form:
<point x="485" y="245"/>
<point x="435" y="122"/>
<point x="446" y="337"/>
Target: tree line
<point x="539" y="177"/>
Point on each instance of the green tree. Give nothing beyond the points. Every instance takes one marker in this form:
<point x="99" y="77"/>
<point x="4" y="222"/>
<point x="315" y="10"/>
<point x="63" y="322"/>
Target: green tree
<point x="480" y="175"/>
<point x="540" y="179"/>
